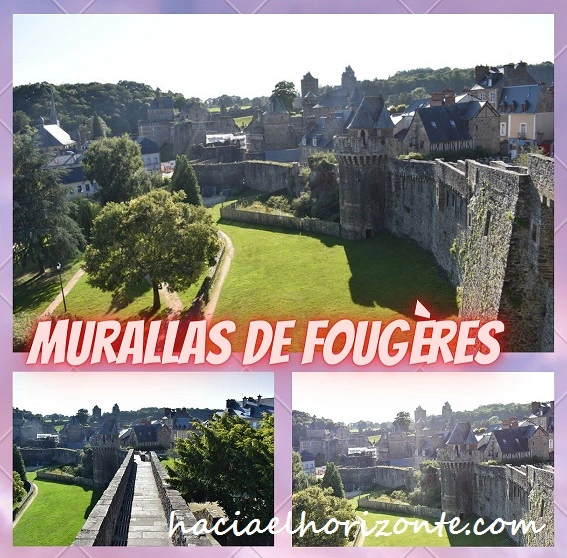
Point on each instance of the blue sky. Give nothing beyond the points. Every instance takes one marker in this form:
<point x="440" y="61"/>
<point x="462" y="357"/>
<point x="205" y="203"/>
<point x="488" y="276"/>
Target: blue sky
<point x="381" y="396"/>
<point x="206" y="55"/>
<point x="67" y="392"/>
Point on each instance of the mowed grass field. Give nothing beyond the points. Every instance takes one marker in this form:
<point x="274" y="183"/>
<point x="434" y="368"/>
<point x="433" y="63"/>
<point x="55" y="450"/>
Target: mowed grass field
<point x="408" y="537"/>
<point x="284" y="275"/>
<point x="56" y="515"/>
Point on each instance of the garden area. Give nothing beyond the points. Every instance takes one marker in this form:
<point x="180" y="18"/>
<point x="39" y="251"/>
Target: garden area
<point x="279" y="275"/>
<point x="56" y="515"/>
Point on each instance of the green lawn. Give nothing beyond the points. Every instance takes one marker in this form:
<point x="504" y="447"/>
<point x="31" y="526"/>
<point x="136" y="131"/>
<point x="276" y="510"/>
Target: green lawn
<point x="422" y="538"/>
<point x="32" y="295"/>
<point x="56" y="515"/>
<point x="277" y="275"/>
<point x="242" y="120"/>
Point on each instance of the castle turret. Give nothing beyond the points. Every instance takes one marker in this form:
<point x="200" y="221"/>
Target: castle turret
<point x="456" y="463"/>
<point x="363" y="168"/>
<point x="348" y="80"/>
<point x="106" y="453"/>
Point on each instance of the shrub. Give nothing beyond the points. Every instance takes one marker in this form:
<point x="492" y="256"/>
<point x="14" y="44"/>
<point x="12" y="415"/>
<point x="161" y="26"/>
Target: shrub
<point x="412" y="155"/>
<point x="279" y="203"/>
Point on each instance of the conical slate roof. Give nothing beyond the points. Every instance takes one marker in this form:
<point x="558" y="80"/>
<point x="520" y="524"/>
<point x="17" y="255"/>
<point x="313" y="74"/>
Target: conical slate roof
<point x="462" y="434"/>
<point x="372" y="113"/>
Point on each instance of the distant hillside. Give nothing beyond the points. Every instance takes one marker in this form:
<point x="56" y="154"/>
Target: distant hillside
<point x="120" y="105"/>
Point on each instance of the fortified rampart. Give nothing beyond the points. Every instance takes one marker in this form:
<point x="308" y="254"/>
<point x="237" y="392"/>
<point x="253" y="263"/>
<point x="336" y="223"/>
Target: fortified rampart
<point x="389" y="477"/>
<point x="99" y="528"/>
<point x="37" y="456"/>
<point x="260" y="175"/>
<point x="490" y="227"/>
<point x="173" y="502"/>
<point x="395" y="508"/>
<point x="509" y="492"/>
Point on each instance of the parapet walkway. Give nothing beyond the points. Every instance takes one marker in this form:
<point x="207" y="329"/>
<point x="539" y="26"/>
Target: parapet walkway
<point x="142" y="519"/>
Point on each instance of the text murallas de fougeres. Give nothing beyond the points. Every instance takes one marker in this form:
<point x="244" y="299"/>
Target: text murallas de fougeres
<point x="365" y="342"/>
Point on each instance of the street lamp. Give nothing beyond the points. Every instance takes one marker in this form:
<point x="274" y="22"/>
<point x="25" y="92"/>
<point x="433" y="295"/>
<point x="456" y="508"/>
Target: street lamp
<point x="58" y="266"/>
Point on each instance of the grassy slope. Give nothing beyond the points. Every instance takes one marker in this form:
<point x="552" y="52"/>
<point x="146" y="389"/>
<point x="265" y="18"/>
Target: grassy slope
<point x="278" y="275"/>
<point x="56" y="515"/>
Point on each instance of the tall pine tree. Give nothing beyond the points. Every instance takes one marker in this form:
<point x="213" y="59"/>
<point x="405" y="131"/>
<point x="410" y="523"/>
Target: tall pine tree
<point x="332" y="479"/>
<point x="184" y="178"/>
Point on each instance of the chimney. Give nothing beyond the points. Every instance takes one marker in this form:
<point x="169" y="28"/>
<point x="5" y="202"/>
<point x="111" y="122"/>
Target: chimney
<point x="259" y="399"/>
<point x="244" y="401"/>
<point x="480" y="73"/>
<point x="522" y="66"/>
<point x="535" y="406"/>
<point x="436" y="100"/>
<point x="448" y="97"/>
<point x="552" y="405"/>
<point x="507" y="68"/>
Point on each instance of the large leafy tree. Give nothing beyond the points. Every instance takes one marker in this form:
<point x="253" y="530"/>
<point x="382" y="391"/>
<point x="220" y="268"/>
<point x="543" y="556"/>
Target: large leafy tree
<point x="155" y="237"/>
<point x="82" y="416"/>
<point x="403" y="421"/>
<point x="44" y="232"/>
<point x="286" y="93"/>
<point x="320" y="506"/>
<point x="185" y="179"/>
<point x="299" y="478"/>
<point x="229" y="462"/>
<point x="116" y="165"/>
<point x="332" y="479"/>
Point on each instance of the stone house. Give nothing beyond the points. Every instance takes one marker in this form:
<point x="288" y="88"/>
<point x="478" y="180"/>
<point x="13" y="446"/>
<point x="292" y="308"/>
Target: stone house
<point x="307" y="462"/>
<point x="154" y="436"/>
<point x="250" y="409"/>
<point x="518" y="443"/>
<point x="150" y="154"/>
<point x="526" y="117"/>
<point x="195" y="112"/>
<point x="161" y="108"/>
<point x="452" y="127"/>
<point x="489" y="82"/>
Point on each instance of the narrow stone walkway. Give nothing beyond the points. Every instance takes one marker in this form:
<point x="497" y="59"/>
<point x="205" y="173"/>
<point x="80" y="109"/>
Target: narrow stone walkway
<point x="222" y="272"/>
<point x="148" y="525"/>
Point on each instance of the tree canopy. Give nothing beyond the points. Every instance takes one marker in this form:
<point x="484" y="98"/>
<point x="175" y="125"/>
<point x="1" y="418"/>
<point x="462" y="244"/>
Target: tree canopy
<point x="82" y="416"/>
<point x="332" y="479"/>
<point x="320" y="506"/>
<point x="403" y="421"/>
<point x="155" y="237"/>
<point x="116" y="165"/>
<point x="229" y="462"/>
<point x="299" y="479"/>
<point x="185" y="179"/>
<point x="18" y="462"/>
<point x="285" y="92"/>
<point x="43" y="230"/>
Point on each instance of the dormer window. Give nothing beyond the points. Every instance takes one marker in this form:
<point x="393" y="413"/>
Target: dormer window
<point x="314" y="142"/>
<point x="453" y="123"/>
<point x="434" y="124"/>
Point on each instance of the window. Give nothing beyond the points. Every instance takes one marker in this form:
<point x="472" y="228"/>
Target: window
<point x="314" y="142"/>
<point x="487" y="226"/>
<point x="523" y="129"/>
<point x="79" y="189"/>
<point x="453" y="123"/>
<point x="88" y="187"/>
<point x="481" y="96"/>
<point x="492" y="97"/>
<point x="434" y="124"/>
<point x="502" y="128"/>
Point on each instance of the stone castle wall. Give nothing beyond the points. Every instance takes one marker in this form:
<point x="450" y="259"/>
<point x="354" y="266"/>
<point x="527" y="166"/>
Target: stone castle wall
<point x="520" y="493"/>
<point x="101" y="523"/>
<point x="37" y="456"/>
<point x="490" y="227"/>
<point x="389" y="477"/>
<point x="395" y="508"/>
<point x="260" y="175"/>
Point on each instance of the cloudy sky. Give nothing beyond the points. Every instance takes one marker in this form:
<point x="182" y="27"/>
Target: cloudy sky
<point x="353" y="396"/>
<point x="206" y="55"/>
<point x="67" y="392"/>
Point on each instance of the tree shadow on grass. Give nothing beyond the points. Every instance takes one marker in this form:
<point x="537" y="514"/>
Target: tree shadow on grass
<point x="35" y="291"/>
<point x="123" y="299"/>
<point x="387" y="271"/>
<point x="95" y="497"/>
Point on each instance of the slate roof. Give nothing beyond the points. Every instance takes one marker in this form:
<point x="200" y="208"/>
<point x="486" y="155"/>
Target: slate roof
<point x="462" y="434"/>
<point x="251" y="409"/>
<point x="275" y="107"/>
<point x="518" y="95"/>
<point x="494" y="76"/>
<point x="53" y="135"/>
<point x="108" y="428"/>
<point x="449" y="123"/>
<point x="528" y="430"/>
<point x="372" y="113"/>
<point x="72" y="175"/>
<point x="145" y="432"/>
<point x="307" y="456"/>
<point x="336" y="98"/>
<point x="511" y="440"/>
<point x="418" y="103"/>
<point x="147" y="145"/>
